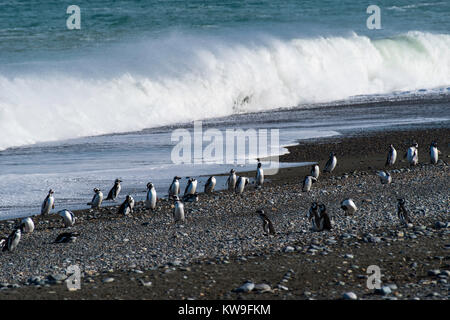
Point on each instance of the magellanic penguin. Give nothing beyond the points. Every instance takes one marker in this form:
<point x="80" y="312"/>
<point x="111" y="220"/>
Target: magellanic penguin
<point x="402" y="213"/>
<point x="96" y="199"/>
<point x="66" y="237"/>
<point x="27" y="225"/>
<point x="434" y="153"/>
<point x="259" y="175"/>
<point x="348" y="206"/>
<point x="150" y="201"/>
<point x="307" y="183"/>
<point x="231" y="181"/>
<point x="325" y="220"/>
<point x="68" y="217"/>
<point x="267" y="224"/>
<point x="10" y="244"/>
<point x="132" y="202"/>
<point x="210" y="184"/>
<point x="319" y="217"/>
<point x="385" y="177"/>
<point x="191" y="186"/>
<point x="240" y="184"/>
<point x="125" y="207"/>
<point x="115" y="190"/>
<point x="174" y="188"/>
<point x="412" y="154"/>
<point x="48" y="204"/>
<point x="178" y="210"/>
<point x="391" y="157"/>
<point x="315" y="171"/>
<point x="331" y="163"/>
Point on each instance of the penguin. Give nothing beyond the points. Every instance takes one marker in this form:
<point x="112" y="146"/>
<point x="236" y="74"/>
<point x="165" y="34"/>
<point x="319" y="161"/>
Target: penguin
<point x="231" y="181"/>
<point x="191" y="186"/>
<point x="325" y="221"/>
<point x="348" y="206"/>
<point x="150" y="201"/>
<point x="115" y="190"/>
<point x="131" y="202"/>
<point x="402" y="213"/>
<point x="267" y="224"/>
<point x="307" y="183"/>
<point x="68" y="217"/>
<point x="240" y="184"/>
<point x="66" y="237"/>
<point x="96" y="199"/>
<point x="434" y="153"/>
<point x="412" y="154"/>
<point x="178" y="211"/>
<point x="48" y="204"/>
<point x="10" y="243"/>
<point x="331" y="163"/>
<point x="259" y="175"/>
<point x="125" y="207"/>
<point x="174" y="188"/>
<point x="27" y="225"/>
<point x="190" y="197"/>
<point x="210" y="184"/>
<point x="391" y="157"/>
<point x="385" y="177"/>
<point x="315" y="171"/>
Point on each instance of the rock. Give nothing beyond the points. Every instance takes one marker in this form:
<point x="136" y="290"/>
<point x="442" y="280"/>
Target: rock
<point x="392" y="286"/>
<point x="384" y="290"/>
<point x="349" y="296"/>
<point x="445" y="273"/>
<point x="262" y="287"/>
<point x="289" y="249"/>
<point x="281" y="287"/>
<point x="434" y="272"/>
<point x="108" y="280"/>
<point x="145" y="284"/>
<point x="348" y="256"/>
<point x="441" y="225"/>
<point x="246" y="287"/>
<point x="56" y="278"/>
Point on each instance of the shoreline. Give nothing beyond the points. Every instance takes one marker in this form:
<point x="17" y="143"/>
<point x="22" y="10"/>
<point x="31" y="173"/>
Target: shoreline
<point x="221" y="229"/>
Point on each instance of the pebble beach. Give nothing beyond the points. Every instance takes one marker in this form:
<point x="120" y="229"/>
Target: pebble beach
<point x="220" y="246"/>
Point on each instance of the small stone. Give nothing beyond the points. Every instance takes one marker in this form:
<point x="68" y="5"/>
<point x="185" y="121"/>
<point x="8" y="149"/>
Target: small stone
<point x="385" y="290"/>
<point x="246" y="287"/>
<point x="108" y="280"/>
<point x="262" y="287"/>
<point x="289" y="249"/>
<point x="434" y="272"/>
<point x="349" y="296"/>
<point x="348" y="256"/>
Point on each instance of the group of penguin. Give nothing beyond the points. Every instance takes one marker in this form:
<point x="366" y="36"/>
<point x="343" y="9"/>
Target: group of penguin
<point x="317" y="214"/>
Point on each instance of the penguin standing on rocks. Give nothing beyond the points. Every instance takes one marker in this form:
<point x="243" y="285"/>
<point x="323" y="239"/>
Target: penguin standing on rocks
<point x="434" y="153"/>
<point x="307" y="183"/>
<point x="324" y="218"/>
<point x="48" y="204"/>
<point x="267" y="224"/>
<point x="68" y="217"/>
<point x="10" y="243"/>
<point x="391" y="157"/>
<point x="259" y="175"/>
<point x="115" y="190"/>
<point x="240" y="184"/>
<point x="150" y="200"/>
<point x="27" y="225"/>
<point x="315" y="171"/>
<point x="174" y="188"/>
<point x="412" y="154"/>
<point x="402" y="213"/>
<point x="231" y="181"/>
<point x="132" y="202"/>
<point x="348" y="206"/>
<point x="96" y="199"/>
<point x="178" y="210"/>
<point x="191" y="186"/>
<point x="210" y="184"/>
<point x="125" y="208"/>
<point x="385" y="177"/>
<point x="331" y="163"/>
<point x="319" y="217"/>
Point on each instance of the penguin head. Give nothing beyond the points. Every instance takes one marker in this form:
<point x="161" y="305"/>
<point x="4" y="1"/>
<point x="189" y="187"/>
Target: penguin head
<point x="331" y="154"/>
<point x="51" y="191"/>
<point x="259" y="164"/>
<point x="415" y="144"/>
<point x="261" y="213"/>
<point x="232" y="171"/>
<point x="314" y="205"/>
<point x="117" y="181"/>
<point x="96" y="190"/>
<point x="401" y="201"/>
<point x="322" y="208"/>
<point x="149" y="185"/>
<point x="176" y="198"/>
<point x="176" y="178"/>
<point x="128" y="198"/>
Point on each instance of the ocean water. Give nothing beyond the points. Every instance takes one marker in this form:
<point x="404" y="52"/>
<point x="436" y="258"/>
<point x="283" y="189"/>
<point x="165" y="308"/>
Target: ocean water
<point x="79" y="108"/>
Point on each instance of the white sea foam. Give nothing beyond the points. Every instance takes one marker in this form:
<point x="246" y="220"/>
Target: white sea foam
<point x="179" y="79"/>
